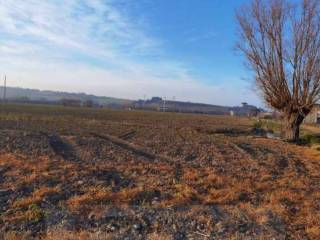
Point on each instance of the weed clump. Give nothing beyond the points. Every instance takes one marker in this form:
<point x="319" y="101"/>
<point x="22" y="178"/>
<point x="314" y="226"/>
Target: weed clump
<point x="35" y="213"/>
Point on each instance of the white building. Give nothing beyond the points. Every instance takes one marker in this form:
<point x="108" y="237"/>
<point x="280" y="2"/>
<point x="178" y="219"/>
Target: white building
<point x="314" y="116"/>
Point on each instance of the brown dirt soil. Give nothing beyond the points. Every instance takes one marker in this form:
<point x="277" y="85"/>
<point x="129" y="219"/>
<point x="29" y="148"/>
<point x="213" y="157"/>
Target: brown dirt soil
<point x="99" y="174"/>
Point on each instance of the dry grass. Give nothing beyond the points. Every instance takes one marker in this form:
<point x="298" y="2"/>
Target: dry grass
<point x="37" y="196"/>
<point x="82" y="235"/>
<point x="92" y="195"/>
<point x="158" y="236"/>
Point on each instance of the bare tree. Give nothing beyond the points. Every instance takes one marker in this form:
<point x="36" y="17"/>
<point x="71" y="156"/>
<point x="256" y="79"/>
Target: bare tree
<point x="281" y="42"/>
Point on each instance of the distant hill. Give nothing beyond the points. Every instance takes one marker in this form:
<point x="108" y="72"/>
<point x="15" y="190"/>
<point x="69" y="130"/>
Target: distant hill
<point x="34" y="95"/>
<point x="15" y="94"/>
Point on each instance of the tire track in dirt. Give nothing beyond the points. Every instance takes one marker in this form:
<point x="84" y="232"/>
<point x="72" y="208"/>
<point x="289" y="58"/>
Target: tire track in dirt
<point x="273" y="157"/>
<point x="134" y="148"/>
<point x="62" y="148"/>
<point x="227" y="160"/>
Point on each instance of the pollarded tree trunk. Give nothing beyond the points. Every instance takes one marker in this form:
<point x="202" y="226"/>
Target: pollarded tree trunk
<point x="292" y="122"/>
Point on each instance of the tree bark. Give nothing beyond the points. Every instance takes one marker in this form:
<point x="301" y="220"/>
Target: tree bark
<point x="293" y="122"/>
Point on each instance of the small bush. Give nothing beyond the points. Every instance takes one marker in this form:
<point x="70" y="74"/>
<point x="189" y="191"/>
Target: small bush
<point x="258" y="124"/>
<point x="311" y="139"/>
<point x="35" y="213"/>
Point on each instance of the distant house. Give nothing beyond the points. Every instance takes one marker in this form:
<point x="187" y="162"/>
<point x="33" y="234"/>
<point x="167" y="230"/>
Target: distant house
<point x="269" y="115"/>
<point x="314" y="116"/>
<point x="266" y="115"/>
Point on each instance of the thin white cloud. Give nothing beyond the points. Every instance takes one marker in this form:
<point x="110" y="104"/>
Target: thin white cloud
<point x="201" y="37"/>
<point x="91" y="26"/>
<point x="56" y="44"/>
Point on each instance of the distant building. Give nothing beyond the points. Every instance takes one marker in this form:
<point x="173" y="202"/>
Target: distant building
<point x="314" y="116"/>
<point x="267" y="115"/>
<point x="159" y="104"/>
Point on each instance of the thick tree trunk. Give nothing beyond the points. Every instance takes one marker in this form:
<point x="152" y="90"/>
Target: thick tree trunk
<point x="292" y="126"/>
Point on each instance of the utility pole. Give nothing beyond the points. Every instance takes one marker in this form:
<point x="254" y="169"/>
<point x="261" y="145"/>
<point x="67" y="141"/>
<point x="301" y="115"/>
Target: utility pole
<point x="164" y="104"/>
<point x="144" y="100"/>
<point x="5" y="88"/>
<point x="174" y="103"/>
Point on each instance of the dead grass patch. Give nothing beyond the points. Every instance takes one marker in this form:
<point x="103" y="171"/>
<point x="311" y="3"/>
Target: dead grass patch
<point x="81" y="235"/>
<point x="36" y="197"/>
<point x="92" y="195"/>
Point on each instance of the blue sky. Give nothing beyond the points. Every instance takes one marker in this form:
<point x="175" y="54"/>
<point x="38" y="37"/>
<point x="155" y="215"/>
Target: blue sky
<point x="126" y="48"/>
